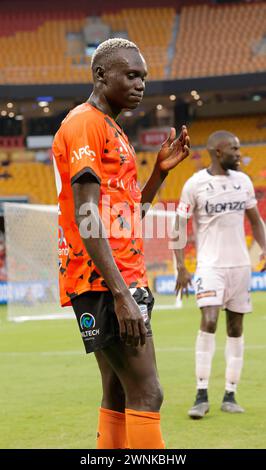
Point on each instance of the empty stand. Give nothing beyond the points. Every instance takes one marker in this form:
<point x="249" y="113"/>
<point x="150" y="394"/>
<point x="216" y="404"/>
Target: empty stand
<point x="211" y="40"/>
<point x="219" y="40"/>
<point x="34" y="47"/>
<point x="35" y="180"/>
<point x="248" y="128"/>
<point x="151" y="29"/>
<point x="37" y="53"/>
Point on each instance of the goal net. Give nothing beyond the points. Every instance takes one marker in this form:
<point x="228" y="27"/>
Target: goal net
<point x="32" y="259"/>
<point x="32" y="265"/>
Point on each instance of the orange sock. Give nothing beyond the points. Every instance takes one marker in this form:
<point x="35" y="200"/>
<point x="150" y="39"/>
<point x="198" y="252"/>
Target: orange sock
<point x="111" y="433"/>
<point x="144" y="430"/>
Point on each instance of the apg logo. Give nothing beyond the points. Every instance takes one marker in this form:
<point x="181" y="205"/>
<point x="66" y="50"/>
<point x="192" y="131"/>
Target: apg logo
<point x="78" y="154"/>
<point x="86" y="321"/>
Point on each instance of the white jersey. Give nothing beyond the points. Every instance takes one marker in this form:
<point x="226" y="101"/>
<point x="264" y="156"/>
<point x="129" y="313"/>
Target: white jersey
<point x="218" y="205"/>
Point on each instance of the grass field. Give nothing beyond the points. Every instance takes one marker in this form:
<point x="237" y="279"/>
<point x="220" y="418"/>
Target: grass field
<point x="50" y="390"/>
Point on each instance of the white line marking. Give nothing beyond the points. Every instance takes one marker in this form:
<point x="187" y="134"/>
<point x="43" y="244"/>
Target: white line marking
<point x="51" y="316"/>
<point x="81" y="352"/>
<point x="69" y="316"/>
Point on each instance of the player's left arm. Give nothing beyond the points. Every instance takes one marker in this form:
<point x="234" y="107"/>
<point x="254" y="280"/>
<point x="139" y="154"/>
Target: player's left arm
<point x="173" y="151"/>
<point x="258" y="230"/>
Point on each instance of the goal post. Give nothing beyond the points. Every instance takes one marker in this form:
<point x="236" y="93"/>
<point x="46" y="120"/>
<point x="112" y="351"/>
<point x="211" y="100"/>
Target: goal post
<point x="31" y="233"/>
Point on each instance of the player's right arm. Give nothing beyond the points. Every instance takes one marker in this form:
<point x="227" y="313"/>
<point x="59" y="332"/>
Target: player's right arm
<point x="86" y="192"/>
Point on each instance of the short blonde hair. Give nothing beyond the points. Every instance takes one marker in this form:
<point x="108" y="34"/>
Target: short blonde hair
<point x="109" y="46"/>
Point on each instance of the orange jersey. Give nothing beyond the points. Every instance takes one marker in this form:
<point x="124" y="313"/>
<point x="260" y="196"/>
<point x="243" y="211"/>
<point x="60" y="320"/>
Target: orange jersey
<point x="89" y="141"/>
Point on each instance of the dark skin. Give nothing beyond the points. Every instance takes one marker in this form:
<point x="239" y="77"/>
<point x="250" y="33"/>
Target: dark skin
<point x="225" y="154"/>
<point x="128" y="367"/>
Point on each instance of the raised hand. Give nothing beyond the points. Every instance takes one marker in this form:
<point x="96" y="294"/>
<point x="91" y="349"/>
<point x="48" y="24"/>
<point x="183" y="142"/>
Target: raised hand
<point x="173" y="150"/>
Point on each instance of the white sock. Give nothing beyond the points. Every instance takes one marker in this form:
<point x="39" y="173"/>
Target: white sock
<point x="234" y="355"/>
<point x="205" y="347"/>
<point x="178" y="301"/>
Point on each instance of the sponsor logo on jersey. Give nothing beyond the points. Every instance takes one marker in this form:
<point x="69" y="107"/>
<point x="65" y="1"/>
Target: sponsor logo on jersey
<point x="221" y="207"/>
<point x="63" y="248"/>
<point x="123" y="152"/>
<point x="116" y="184"/>
<point x="81" y="152"/>
<point x="210" y="187"/>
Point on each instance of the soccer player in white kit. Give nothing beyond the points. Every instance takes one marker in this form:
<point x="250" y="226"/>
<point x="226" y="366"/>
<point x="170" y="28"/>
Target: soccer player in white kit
<point x="218" y="199"/>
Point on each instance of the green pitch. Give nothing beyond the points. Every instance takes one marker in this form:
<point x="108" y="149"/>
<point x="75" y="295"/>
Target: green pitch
<point x="50" y="390"/>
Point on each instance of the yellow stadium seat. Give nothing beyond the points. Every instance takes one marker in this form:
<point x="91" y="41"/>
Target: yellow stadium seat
<point x="212" y="46"/>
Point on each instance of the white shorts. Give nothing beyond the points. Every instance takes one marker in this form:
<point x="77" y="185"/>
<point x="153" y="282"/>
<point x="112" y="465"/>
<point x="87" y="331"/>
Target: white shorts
<point x="225" y="287"/>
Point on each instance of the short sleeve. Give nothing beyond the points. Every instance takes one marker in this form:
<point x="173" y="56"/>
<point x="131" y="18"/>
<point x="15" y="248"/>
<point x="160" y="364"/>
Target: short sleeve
<point x="85" y="138"/>
<point x="251" y="200"/>
<point x="187" y="201"/>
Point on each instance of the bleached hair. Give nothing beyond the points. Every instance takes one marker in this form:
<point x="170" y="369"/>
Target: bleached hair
<point x="109" y="46"/>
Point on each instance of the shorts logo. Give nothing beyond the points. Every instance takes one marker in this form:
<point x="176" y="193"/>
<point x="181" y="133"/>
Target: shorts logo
<point x="86" y="321"/>
<point x="206" y="293"/>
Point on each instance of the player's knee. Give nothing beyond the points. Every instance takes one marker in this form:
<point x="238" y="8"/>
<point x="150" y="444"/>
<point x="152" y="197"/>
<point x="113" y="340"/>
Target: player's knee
<point x="147" y="396"/>
<point x="153" y="395"/>
<point x="210" y="325"/>
<point x="234" y="331"/>
<point x="158" y="396"/>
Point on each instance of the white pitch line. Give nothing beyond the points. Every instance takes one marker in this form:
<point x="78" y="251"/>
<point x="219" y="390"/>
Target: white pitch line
<point x="69" y="315"/>
<point x="81" y="353"/>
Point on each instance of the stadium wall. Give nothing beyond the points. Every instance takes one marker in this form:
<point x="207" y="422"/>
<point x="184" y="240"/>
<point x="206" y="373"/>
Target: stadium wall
<point x="155" y="87"/>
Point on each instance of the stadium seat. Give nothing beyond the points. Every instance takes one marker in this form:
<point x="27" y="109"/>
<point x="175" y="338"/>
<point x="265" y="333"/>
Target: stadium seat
<point x="28" y="54"/>
<point x="36" y="180"/>
<point x="219" y="39"/>
<point x="248" y="128"/>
